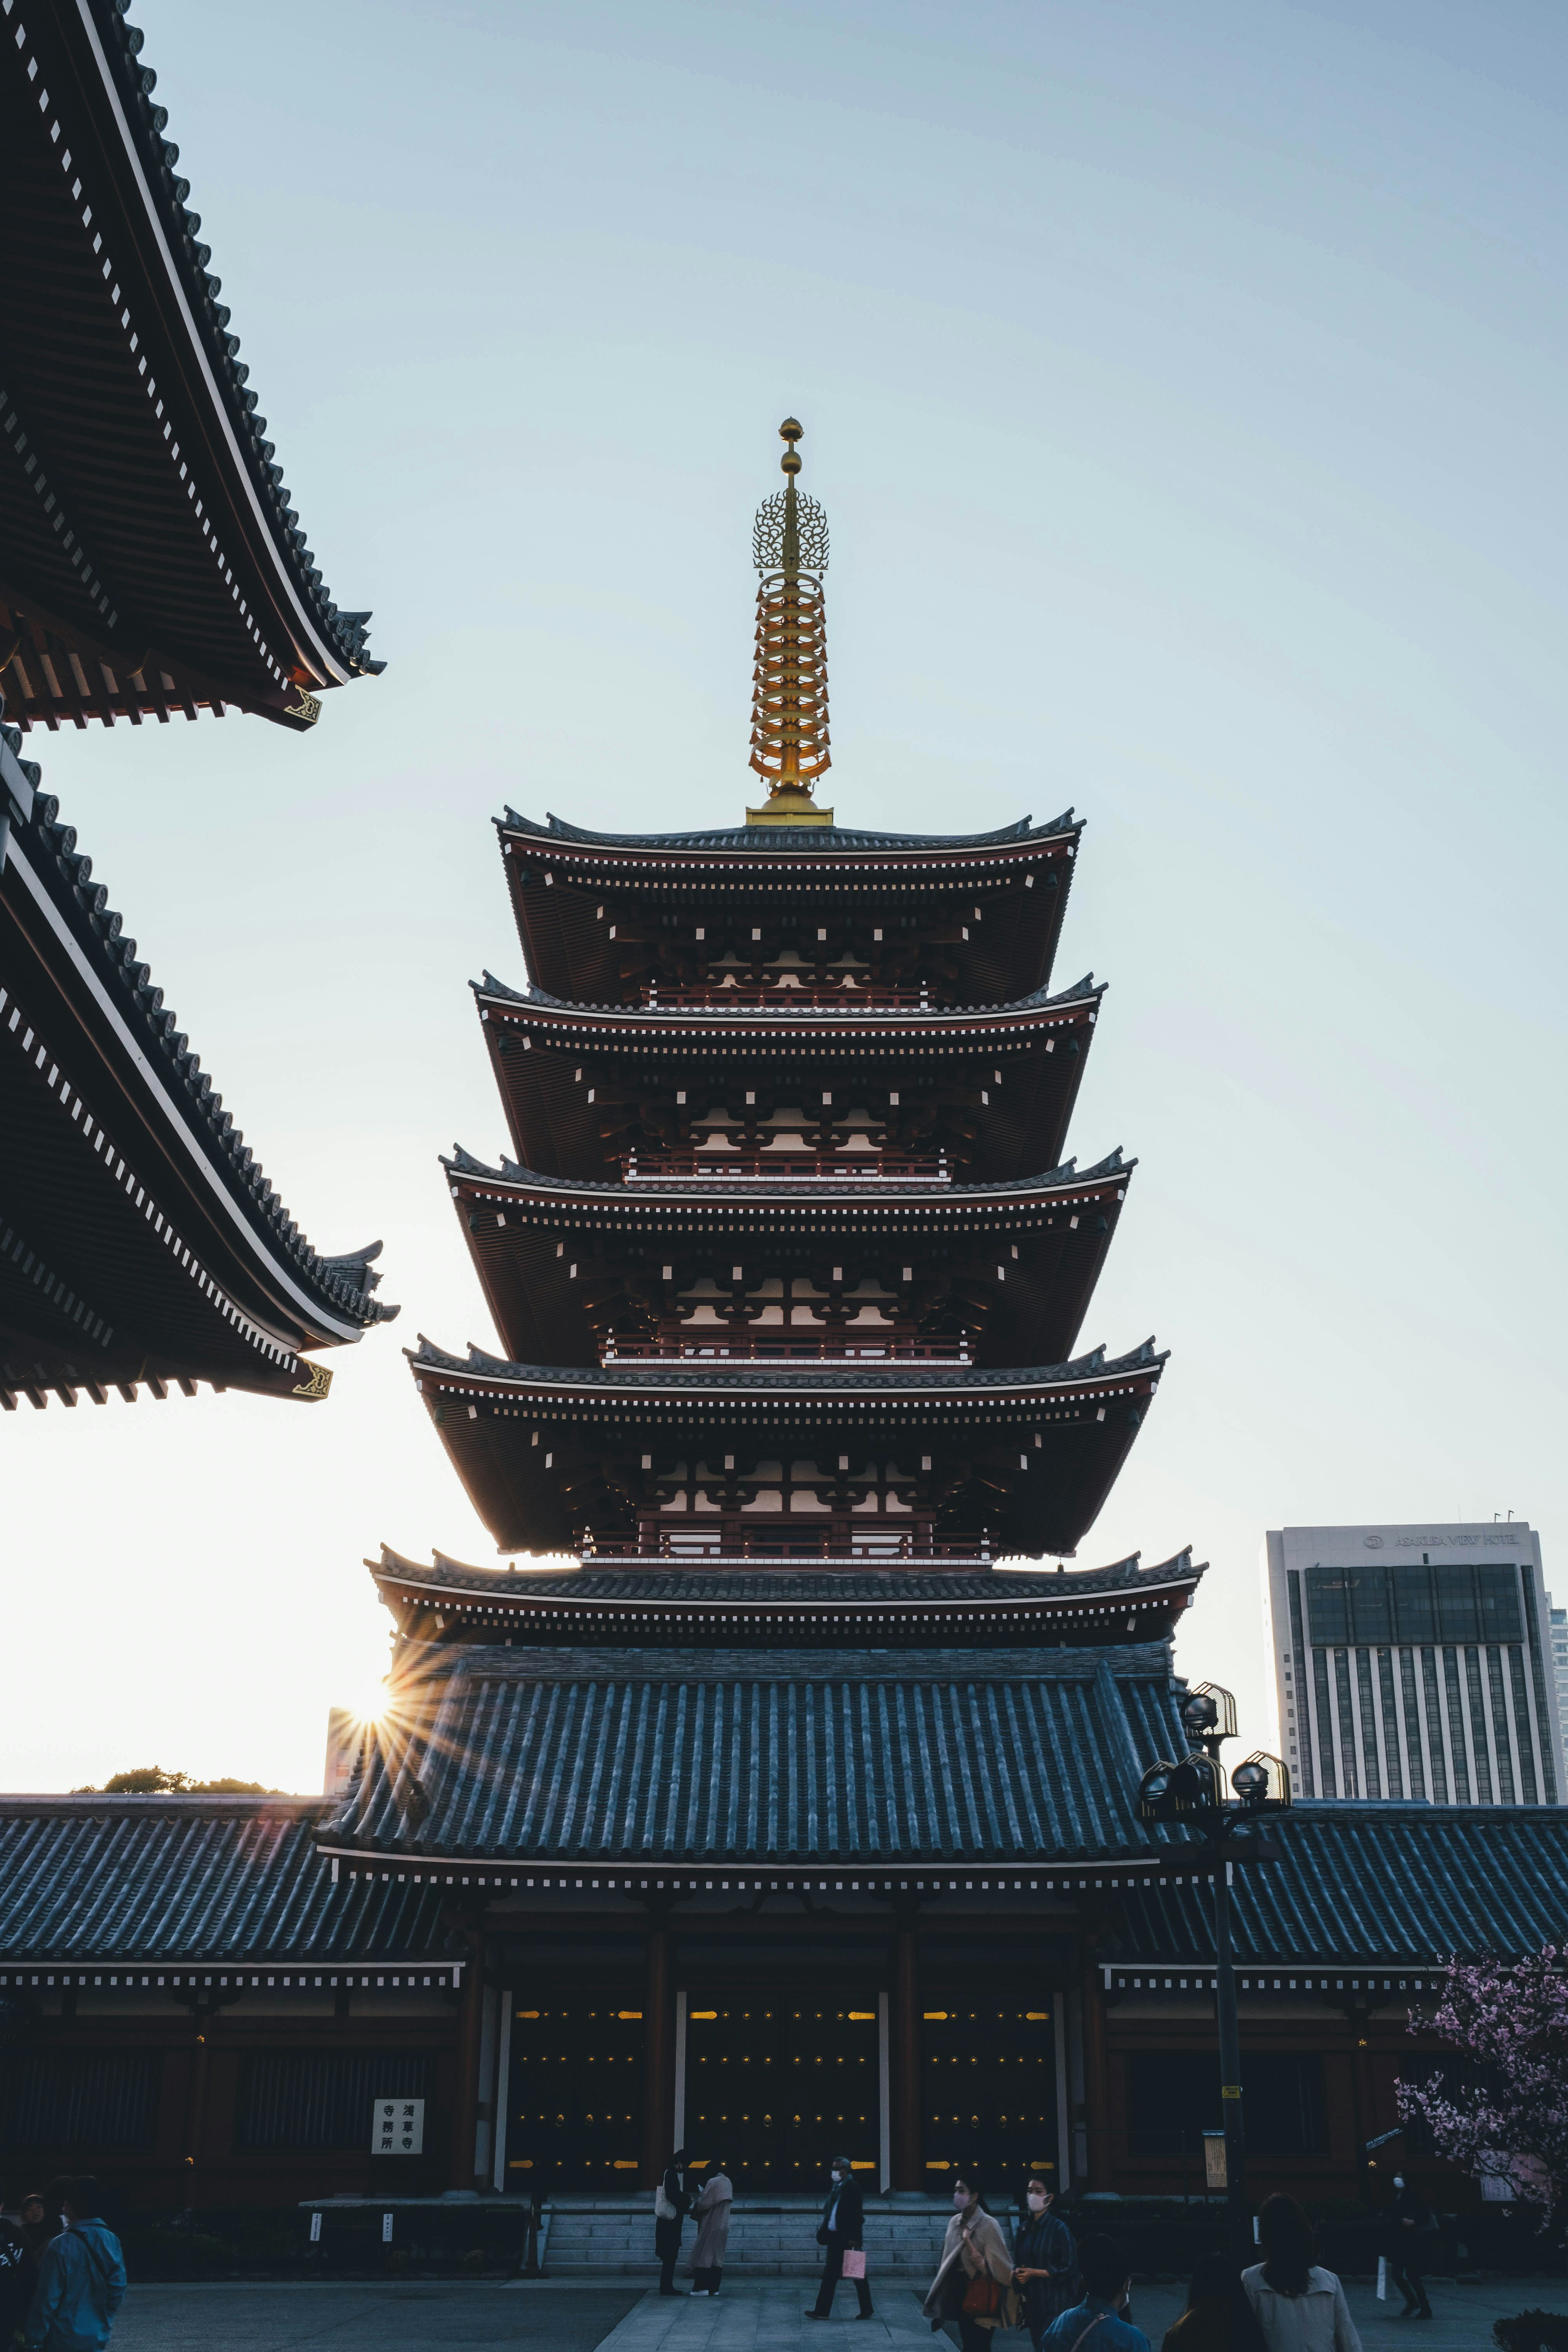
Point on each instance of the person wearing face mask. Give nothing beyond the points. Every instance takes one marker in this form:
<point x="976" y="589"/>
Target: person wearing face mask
<point x="976" y="2274"/>
<point x="1044" y="2258"/>
<point x="1411" y="2241"/>
<point x="670" y="2200"/>
<point x="842" y="2228"/>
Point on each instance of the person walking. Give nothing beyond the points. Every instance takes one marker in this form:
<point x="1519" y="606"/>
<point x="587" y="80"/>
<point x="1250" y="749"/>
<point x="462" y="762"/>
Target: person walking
<point x="1413" y="2239"/>
<point x="976" y="2269"/>
<point x="711" y="2215"/>
<point x="82" y="2278"/>
<point x="17" y="2274"/>
<point x="1300" y="2307"/>
<point x="1218" y="2317"/>
<point x="670" y="2200"/>
<point x="1044" y="2258"/>
<point x="1096" y="2324"/>
<point x="841" y="2230"/>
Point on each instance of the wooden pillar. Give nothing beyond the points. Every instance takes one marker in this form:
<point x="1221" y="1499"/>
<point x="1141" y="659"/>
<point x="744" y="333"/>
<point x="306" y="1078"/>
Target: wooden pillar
<point x="1096" y="2080"/>
<point x="658" y="2059"/>
<point x="470" y="2033"/>
<point x="908" y="2171"/>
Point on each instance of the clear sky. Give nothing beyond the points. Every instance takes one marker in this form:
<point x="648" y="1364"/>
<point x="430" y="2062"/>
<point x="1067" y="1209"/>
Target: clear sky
<point x="1186" y="386"/>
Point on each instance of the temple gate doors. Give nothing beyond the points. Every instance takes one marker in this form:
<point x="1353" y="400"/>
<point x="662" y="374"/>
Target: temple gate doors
<point x="988" y="2083"/>
<point x="777" y="2085"/>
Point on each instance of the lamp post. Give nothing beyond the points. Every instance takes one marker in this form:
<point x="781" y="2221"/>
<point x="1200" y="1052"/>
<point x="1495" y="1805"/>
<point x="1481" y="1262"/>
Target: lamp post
<point x="1191" y="1790"/>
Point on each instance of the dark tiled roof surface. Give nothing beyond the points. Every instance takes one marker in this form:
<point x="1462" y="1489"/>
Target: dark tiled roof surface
<point x="776" y="839"/>
<point x="1389" y="1881"/>
<point x="464" y="1163"/>
<point x="996" y="1588"/>
<point x="192" y="1878"/>
<point x="346" y="632"/>
<point x="804" y="1380"/>
<point x="347" y="1281"/>
<point x="873" y="1766"/>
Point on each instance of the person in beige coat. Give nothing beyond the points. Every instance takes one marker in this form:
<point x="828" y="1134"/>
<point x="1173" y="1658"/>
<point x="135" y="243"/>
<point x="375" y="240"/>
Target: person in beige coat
<point x="976" y="2267"/>
<point x="711" y="2215"/>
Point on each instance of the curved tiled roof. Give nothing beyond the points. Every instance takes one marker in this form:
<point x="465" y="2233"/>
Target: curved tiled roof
<point x="762" y="1586"/>
<point x="460" y="1162"/>
<point x="194" y="1878"/>
<point x="1083" y="991"/>
<point x="774" y="839"/>
<point x="802" y="1375"/>
<point x="1385" y="1882"/>
<point x="346" y="1281"/>
<point x="346" y="632"/>
<point x="836" y="1764"/>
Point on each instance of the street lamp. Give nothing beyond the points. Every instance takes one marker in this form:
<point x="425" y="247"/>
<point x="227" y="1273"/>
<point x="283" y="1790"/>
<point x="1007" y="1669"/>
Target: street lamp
<point x="1191" y="1788"/>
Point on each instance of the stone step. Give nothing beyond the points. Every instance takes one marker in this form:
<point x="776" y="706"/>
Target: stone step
<point x="766" y="2239"/>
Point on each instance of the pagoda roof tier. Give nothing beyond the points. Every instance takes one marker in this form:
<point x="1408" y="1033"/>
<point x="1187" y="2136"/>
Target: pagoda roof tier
<point x="1016" y="1263"/>
<point x="785" y="1606"/>
<point x="584" y="1086"/>
<point x="139" y="1238"/>
<point x="870" y="1757"/>
<point x="599" y="915"/>
<point x="1018" y="1460"/>
<point x="150" y="559"/>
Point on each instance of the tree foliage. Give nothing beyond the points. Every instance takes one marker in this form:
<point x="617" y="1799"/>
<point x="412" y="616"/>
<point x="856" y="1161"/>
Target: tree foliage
<point x="1501" y="2105"/>
<point x="152" y="1780"/>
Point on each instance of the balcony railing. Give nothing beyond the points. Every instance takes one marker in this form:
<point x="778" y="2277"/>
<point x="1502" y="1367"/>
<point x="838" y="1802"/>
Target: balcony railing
<point x="787" y="1167"/>
<point x="836" y="995"/>
<point x="730" y="1543"/>
<point x="826" y="1348"/>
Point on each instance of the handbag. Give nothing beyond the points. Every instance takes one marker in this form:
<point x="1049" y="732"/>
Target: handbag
<point x="854" y="2263"/>
<point x="983" y="2297"/>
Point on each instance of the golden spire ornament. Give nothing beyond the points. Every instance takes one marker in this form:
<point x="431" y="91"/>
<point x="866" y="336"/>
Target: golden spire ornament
<point x="789" y="683"/>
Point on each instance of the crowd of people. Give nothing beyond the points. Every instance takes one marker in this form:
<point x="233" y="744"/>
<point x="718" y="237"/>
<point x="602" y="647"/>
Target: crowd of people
<point x="62" y="2275"/>
<point x="1071" y="2294"/>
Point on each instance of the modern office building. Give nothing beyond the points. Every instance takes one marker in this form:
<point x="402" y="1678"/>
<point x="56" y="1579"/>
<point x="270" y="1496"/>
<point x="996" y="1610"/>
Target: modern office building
<point x="1412" y="1663"/>
<point x="1560" y="1678"/>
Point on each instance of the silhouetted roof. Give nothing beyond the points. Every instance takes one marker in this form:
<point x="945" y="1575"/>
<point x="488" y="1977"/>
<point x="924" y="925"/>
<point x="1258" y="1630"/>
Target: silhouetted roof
<point x="773" y="840"/>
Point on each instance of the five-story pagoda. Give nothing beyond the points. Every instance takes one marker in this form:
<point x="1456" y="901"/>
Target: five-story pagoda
<point x="789" y="1264"/>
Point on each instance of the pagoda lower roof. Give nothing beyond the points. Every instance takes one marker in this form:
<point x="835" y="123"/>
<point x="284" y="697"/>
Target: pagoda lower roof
<point x="704" y="1608"/>
<point x="139" y="1238"/>
<point x="527" y="1439"/>
<point x="151" y="561"/>
<point x="1051" y="1234"/>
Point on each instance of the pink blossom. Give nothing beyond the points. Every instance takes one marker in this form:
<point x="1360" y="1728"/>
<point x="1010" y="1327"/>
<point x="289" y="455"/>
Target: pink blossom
<point x="1501" y="2105"/>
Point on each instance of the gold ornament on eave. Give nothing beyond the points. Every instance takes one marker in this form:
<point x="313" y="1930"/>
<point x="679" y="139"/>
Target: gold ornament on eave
<point x="789" y="682"/>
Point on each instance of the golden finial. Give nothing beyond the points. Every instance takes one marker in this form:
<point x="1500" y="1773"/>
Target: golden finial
<point x="789" y="683"/>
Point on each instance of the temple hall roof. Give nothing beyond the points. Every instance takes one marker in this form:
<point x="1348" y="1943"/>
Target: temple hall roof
<point x="150" y="559"/>
<point x="187" y="1879"/>
<point x="1387" y="1881"/>
<point x="873" y="1760"/>
<point x="140" y="1237"/>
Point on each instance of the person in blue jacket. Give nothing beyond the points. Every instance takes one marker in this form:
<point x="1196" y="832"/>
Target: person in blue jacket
<point x="81" y="2279"/>
<point x="1095" y="2324"/>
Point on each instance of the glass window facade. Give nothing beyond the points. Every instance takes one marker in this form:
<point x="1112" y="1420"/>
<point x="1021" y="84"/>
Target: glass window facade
<point x="1364" y="1606"/>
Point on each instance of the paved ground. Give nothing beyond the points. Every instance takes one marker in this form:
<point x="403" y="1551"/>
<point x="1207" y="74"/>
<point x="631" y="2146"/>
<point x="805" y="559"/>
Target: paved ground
<point x="750" y="2316"/>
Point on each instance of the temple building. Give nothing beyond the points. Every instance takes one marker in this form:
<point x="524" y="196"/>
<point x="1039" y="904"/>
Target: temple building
<point x="151" y="563"/>
<point x="774" y="1793"/>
